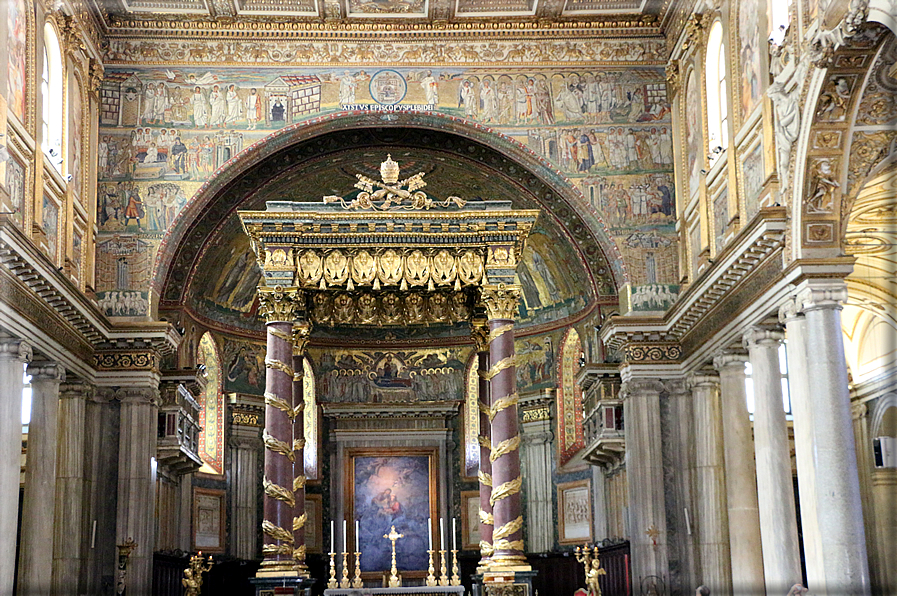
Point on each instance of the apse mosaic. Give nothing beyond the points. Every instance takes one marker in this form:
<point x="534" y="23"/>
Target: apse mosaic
<point x="164" y="131"/>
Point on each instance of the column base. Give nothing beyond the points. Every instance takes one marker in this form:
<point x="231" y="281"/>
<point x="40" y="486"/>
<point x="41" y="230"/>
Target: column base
<point x="504" y="582"/>
<point x="281" y="569"/>
<point x="282" y="586"/>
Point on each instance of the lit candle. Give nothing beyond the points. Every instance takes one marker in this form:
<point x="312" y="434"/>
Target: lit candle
<point x="357" y="532"/>
<point x="454" y="536"/>
<point x="332" y="545"/>
<point x="430" y="532"/>
<point x="442" y="533"/>
<point x="345" y="548"/>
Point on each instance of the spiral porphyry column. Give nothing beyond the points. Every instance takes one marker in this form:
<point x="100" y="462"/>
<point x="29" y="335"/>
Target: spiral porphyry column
<point x="301" y="332"/>
<point x="501" y="306"/>
<point x="480" y="334"/>
<point x="279" y="309"/>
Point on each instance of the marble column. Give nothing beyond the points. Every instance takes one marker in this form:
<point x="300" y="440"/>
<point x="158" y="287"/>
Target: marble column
<point x="841" y="567"/>
<point x="501" y="307"/>
<point x="301" y="333"/>
<point x="139" y="415"/>
<point x="279" y="310"/>
<point x="480" y="335"/>
<point x="741" y="477"/>
<point x="775" y="487"/>
<point x="245" y="443"/>
<point x="644" y="474"/>
<point x="710" y="484"/>
<point x="678" y="453"/>
<point x="38" y="501"/>
<point x="536" y="455"/>
<point x="14" y="353"/>
<point x="70" y="493"/>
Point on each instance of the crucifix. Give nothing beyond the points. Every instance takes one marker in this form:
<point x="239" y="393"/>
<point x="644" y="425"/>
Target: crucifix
<point x="394" y="581"/>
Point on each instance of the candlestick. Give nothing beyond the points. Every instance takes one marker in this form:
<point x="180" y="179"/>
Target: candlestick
<point x="332" y="583"/>
<point x="430" y="532"/>
<point x="443" y="569"/>
<point x="456" y="577"/>
<point x="441" y="534"/>
<point x="356" y="581"/>
<point x="431" y="577"/>
<point x="344" y="582"/>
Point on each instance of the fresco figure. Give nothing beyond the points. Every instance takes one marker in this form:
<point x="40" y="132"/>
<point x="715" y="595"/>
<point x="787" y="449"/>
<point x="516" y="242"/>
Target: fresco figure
<point x="219" y="107"/>
<point x="234" y="105"/>
<point x="200" y="110"/>
<point x="253" y="108"/>
<point x="430" y="87"/>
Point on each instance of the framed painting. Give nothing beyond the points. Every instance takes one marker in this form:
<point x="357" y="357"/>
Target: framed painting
<point x="208" y="520"/>
<point x="574" y="512"/>
<point x="313" y="536"/>
<point x="389" y="487"/>
<point x="470" y="520"/>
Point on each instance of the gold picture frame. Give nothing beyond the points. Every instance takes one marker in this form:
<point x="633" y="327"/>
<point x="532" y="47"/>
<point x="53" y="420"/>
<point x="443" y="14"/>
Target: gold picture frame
<point x="208" y="520"/>
<point x="575" y="512"/>
<point x="370" y="469"/>
<point x="470" y="520"/>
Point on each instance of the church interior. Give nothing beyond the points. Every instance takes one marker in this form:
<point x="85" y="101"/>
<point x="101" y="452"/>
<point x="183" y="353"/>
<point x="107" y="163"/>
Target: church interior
<point x="489" y="297"/>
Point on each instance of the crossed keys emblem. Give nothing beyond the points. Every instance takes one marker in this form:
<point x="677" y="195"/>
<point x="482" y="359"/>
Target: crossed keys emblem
<point x="391" y="193"/>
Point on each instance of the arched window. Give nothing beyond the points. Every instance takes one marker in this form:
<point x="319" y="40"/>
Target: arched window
<point x="51" y="98"/>
<point x="717" y="97"/>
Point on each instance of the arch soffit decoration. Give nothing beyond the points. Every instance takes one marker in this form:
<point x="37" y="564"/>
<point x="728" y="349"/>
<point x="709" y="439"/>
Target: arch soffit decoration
<point x="268" y="158"/>
<point x="832" y="109"/>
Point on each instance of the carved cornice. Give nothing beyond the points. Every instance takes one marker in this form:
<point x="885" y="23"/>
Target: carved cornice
<point x="129" y="360"/>
<point x="501" y="301"/>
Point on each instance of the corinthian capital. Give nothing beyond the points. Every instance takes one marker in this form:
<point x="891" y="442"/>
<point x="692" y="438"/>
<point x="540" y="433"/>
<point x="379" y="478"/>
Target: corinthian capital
<point x="479" y="332"/>
<point x="301" y="335"/>
<point x="280" y="304"/>
<point x="501" y="301"/>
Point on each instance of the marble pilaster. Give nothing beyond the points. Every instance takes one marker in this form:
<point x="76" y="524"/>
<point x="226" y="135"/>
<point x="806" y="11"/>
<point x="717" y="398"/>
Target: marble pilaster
<point x="644" y="473"/>
<point x="139" y="419"/>
<point x="536" y="459"/>
<point x="246" y="444"/>
<point x="14" y="354"/>
<point x="741" y="477"/>
<point x="38" y="501"/>
<point x="841" y="567"/>
<point x="775" y="487"/>
<point x="70" y="493"/>
<point x="710" y="484"/>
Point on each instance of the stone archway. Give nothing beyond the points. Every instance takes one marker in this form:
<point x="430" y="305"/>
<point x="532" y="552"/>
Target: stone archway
<point x="289" y="147"/>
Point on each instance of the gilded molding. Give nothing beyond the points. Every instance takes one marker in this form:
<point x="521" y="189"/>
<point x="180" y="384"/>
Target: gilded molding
<point x="502" y="404"/>
<point x="487" y="518"/>
<point x="278" y="365"/>
<point x="280" y="334"/>
<point x="508" y="529"/>
<point x="127" y="360"/>
<point x="276" y="532"/>
<point x="499" y="331"/>
<point x="299" y="522"/>
<point x="278" y="492"/>
<point x="479" y="332"/>
<point x="299" y="339"/>
<point x="484" y="478"/>
<point x="278" y="446"/>
<point x="503" y="364"/>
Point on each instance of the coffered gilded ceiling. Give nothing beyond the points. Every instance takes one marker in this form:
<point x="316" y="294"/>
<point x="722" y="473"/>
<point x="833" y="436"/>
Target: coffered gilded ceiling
<point x="190" y="12"/>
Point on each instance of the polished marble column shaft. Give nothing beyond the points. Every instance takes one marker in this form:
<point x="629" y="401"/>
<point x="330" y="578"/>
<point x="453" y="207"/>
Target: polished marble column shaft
<point x="480" y="333"/>
<point x="775" y="487"/>
<point x="70" y="493"/>
<point x="14" y="353"/>
<point x="741" y="477"/>
<point x="39" y="498"/>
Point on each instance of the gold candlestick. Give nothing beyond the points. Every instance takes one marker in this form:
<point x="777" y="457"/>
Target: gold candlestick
<point x="456" y="578"/>
<point x="431" y="578"/>
<point x="394" y="581"/>
<point x="345" y="582"/>
<point x="332" y="583"/>
<point x="356" y="581"/>
<point x="443" y="575"/>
